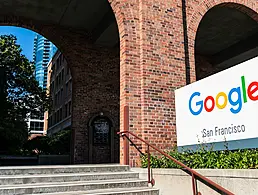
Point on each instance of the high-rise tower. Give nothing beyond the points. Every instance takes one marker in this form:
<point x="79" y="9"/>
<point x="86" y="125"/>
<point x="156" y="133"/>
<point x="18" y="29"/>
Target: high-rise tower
<point x="43" y="52"/>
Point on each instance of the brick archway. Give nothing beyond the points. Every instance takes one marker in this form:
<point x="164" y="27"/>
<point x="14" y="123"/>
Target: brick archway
<point x="69" y="40"/>
<point x="200" y="9"/>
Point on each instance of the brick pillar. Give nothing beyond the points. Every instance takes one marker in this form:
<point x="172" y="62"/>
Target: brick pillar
<point x="162" y="69"/>
<point x="95" y="89"/>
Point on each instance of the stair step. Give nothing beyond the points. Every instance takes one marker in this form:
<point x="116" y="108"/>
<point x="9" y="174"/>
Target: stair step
<point x="70" y="186"/>
<point x="68" y="177"/>
<point x="35" y="170"/>
<point x="114" y="191"/>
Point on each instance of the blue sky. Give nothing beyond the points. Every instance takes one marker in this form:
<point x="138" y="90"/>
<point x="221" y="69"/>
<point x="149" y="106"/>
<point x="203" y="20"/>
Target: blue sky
<point x="24" y="36"/>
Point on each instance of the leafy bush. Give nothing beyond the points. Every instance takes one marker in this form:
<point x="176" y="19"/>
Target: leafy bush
<point x="203" y="158"/>
<point x="59" y="143"/>
<point x="37" y="145"/>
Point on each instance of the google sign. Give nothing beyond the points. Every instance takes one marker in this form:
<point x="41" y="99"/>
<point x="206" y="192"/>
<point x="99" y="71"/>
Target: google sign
<point x="236" y="105"/>
<point x="221" y="107"/>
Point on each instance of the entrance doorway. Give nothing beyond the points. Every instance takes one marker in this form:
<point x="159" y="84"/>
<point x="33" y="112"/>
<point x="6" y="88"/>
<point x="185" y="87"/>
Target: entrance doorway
<point x="101" y="140"/>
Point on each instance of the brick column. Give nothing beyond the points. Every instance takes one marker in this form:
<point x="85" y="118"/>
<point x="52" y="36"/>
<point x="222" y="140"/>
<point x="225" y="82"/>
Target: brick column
<point x="95" y="90"/>
<point x="162" y="69"/>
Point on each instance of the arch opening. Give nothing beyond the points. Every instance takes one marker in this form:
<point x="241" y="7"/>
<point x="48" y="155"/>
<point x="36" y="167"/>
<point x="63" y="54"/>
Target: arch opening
<point x="36" y="128"/>
<point x="225" y="38"/>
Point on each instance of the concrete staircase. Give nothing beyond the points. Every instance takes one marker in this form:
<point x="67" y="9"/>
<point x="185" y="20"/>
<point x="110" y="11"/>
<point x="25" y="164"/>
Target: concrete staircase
<point x="73" y="180"/>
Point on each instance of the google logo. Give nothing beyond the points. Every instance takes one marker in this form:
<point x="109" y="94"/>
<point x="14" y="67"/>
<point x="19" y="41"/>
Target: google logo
<point x="236" y="104"/>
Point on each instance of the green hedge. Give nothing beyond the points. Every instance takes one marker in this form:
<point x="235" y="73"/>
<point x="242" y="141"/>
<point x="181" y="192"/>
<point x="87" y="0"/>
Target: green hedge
<point x="203" y="158"/>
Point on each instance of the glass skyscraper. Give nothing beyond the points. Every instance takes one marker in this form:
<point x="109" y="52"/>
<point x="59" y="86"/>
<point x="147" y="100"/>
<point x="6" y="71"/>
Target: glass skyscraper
<point x="44" y="50"/>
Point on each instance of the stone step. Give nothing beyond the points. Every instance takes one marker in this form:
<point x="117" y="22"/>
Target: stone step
<point x="70" y="186"/>
<point x="36" y="170"/>
<point x="68" y="177"/>
<point x="114" y="191"/>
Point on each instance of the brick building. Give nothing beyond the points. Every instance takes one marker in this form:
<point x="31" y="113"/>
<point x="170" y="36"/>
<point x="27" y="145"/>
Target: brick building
<point x="136" y="53"/>
<point x="59" y="87"/>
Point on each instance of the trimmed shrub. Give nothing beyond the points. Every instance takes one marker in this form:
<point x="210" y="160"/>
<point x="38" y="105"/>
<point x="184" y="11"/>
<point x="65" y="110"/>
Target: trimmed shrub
<point x="207" y="159"/>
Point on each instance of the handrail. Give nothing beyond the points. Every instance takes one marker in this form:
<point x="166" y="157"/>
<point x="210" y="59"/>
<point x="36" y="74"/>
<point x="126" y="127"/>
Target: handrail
<point x="193" y="173"/>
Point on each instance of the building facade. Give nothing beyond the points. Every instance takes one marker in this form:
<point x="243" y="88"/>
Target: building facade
<point x="59" y="87"/>
<point x="133" y="56"/>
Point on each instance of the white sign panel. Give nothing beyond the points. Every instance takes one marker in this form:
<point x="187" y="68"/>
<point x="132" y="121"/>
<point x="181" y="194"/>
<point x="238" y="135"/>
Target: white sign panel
<point x="221" y="107"/>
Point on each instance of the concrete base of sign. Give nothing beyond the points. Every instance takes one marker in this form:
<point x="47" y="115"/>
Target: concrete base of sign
<point x="244" y="181"/>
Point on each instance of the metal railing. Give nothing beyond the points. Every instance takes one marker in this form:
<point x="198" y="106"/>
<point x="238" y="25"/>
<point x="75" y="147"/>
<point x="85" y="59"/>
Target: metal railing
<point x="195" y="175"/>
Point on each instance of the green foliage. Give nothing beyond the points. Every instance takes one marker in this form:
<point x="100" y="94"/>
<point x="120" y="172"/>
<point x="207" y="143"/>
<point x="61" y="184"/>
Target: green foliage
<point x="13" y="135"/>
<point x="19" y="95"/>
<point x="207" y="158"/>
<point x="37" y="145"/>
<point x="59" y="143"/>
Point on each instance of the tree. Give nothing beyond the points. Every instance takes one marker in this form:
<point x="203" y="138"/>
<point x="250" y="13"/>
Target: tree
<point x="20" y="94"/>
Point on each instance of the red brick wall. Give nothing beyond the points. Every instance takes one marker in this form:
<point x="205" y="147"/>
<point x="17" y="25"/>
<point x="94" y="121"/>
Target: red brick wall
<point x="162" y="58"/>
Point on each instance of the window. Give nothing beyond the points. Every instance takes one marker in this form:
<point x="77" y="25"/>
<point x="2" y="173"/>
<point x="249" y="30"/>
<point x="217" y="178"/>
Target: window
<point x="70" y="108"/>
<point x="36" y="126"/>
<point x="61" y="114"/>
<point x="66" y="110"/>
<point x="59" y="79"/>
<point x="55" y="100"/>
<point x="67" y="70"/>
<point x="51" y="88"/>
<point x="50" y="121"/>
<point x="53" y="85"/>
<point x="58" y="115"/>
<point x="62" y="74"/>
<point x="66" y="89"/>
<point x="55" y="119"/>
<point x="61" y="98"/>
<point x="53" y="68"/>
<point x="58" y="63"/>
<point x="56" y="82"/>
<point x="69" y="86"/>
<point x="58" y="98"/>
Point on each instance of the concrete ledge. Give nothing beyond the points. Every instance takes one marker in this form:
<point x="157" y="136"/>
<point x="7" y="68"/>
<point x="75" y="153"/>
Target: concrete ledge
<point x="18" y="160"/>
<point x="243" y="181"/>
<point x="54" y="159"/>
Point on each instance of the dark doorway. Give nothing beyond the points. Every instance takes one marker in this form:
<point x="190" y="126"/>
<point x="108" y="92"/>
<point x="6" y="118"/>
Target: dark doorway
<point x="101" y="140"/>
